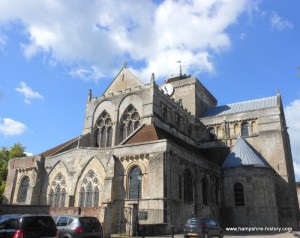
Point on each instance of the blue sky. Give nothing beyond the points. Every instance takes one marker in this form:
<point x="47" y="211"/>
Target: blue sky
<point x="52" y="52"/>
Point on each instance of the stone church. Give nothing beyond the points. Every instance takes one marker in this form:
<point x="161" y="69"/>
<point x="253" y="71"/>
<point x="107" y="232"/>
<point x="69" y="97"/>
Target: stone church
<point x="151" y="156"/>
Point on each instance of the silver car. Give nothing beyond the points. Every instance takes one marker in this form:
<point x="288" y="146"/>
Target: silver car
<point x="78" y="226"/>
<point x="202" y="228"/>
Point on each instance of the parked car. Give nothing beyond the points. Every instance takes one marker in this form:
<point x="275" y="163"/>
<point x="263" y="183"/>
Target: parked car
<point x="78" y="226"/>
<point x="196" y="227"/>
<point x="27" y="226"/>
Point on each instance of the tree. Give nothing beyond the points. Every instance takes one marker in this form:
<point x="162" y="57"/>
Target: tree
<point x="16" y="151"/>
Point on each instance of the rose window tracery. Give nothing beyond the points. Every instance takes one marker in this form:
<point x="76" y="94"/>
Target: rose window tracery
<point x="57" y="194"/>
<point x="89" y="191"/>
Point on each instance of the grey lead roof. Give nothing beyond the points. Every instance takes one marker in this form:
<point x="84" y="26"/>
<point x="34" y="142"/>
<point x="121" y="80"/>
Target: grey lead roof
<point x="243" y="154"/>
<point x="242" y="106"/>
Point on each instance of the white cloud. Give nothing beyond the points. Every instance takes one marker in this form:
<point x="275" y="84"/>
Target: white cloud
<point x="292" y="113"/>
<point x="28" y="93"/>
<point x="105" y="34"/>
<point x="10" y="127"/>
<point x="87" y="73"/>
<point x="280" y="24"/>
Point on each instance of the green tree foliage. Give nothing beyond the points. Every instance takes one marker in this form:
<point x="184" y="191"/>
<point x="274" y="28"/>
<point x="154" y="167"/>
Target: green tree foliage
<point x="16" y="151"/>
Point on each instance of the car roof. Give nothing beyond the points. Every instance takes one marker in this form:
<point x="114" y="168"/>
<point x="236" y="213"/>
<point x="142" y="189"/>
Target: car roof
<point x="24" y="215"/>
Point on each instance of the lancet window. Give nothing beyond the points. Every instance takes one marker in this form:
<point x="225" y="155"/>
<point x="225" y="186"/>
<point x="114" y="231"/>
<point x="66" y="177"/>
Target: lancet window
<point x="57" y="194"/>
<point x="135" y="182"/>
<point x="130" y="121"/>
<point x="22" y="193"/>
<point x="239" y="199"/>
<point x="103" y="130"/>
<point x="245" y="129"/>
<point x="89" y="191"/>
<point x="188" y="187"/>
<point x="205" y="191"/>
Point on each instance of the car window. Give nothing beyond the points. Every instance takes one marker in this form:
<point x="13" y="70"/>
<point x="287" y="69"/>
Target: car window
<point x="70" y="221"/>
<point x="63" y="221"/>
<point x="209" y="222"/>
<point x="12" y="224"/>
<point x="3" y="221"/>
<point x="193" y="221"/>
<point x="33" y="223"/>
<point x="85" y="221"/>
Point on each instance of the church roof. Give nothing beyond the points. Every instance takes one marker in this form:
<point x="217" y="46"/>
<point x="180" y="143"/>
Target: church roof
<point x="255" y="104"/>
<point x="243" y="154"/>
<point x="62" y="147"/>
<point x="124" y="80"/>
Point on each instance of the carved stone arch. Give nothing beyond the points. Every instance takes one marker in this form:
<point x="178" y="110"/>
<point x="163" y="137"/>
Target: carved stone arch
<point x="59" y="175"/>
<point x="106" y="105"/>
<point x="99" y="175"/>
<point x="55" y="164"/>
<point x="23" y="185"/>
<point x="129" y="99"/>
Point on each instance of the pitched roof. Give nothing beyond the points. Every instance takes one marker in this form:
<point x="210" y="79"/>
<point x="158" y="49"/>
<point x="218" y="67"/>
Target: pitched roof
<point x="255" y="104"/>
<point x="243" y="154"/>
<point x="124" y="80"/>
<point x="62" y="147"/>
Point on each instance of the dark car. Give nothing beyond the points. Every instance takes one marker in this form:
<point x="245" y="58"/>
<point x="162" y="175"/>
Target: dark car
<point x="78" y="226"/>
<point x="27" y="226"/>
<point x="196" y="227"/>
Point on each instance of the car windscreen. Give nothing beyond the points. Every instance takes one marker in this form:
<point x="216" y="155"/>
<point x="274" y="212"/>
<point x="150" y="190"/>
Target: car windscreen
<point x="193" y="221"/>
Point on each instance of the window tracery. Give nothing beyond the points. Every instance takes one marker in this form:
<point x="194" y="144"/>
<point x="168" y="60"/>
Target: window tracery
<point x="89" y="191"/>
<point x="57" y="194"/>
<point x="103" y="130"/>
<point x="23" y="188"/>
<point x="130" y="121"/>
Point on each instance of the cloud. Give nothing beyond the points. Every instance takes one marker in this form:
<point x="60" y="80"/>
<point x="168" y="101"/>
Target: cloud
<point x="280" y="24"/>
<point x="28" y="93"/>
<point x="10" y="127"/>
<point x="87" y="73"/>
<point x="105" y="34"/>
<point x="292" y="114"/>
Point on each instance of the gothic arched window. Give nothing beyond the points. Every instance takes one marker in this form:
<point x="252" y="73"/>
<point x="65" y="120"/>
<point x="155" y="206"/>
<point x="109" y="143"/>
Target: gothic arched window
<point x="245" y="129"/>
<point x="135" y="182"/>
<point x="51" y="198"/>
<point x="103" y="130"/>
<point x="205" y="191"/>
<point x="96" y="197"/>
<point x="188" y="187"/>
<point x="239" y="199"/>
<point x="130" y="121"/>
<point x="89" y="191"/>
<point x="63" y="198"/>
<point x="82" y="197"/>
<point x="22" y="193"/>
<point x="57" y="195"/>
